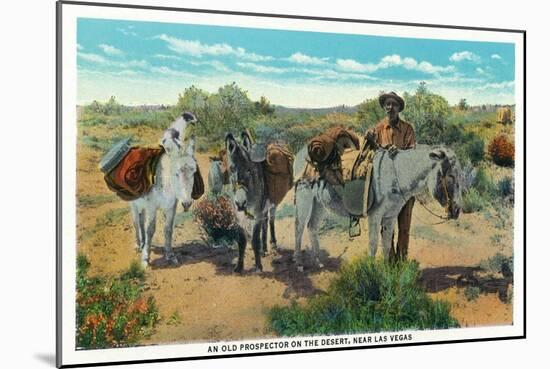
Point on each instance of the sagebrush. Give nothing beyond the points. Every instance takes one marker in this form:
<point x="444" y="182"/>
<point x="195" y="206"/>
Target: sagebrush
<point x="216" y="217"/>
<point x="367" y="296"/>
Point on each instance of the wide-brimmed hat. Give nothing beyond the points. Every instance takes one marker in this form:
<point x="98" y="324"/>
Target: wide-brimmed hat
<point x="393" y="95"/>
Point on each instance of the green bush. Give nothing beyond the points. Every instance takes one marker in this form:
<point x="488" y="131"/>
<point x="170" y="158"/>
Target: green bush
<point x="498" y="263"/>
<point x="484" y="184"/>
<point x="473" y="201"/>
<point x="369" y="112"/>
<point x="506" y="188"/>
<point x="112" y="312"/>
<point x="483" y="193"/>
<point x="471" y="293"/>
<point x="368" y="295"/>
<point x="474" y="147"/>
<point x="429" y="114"/>
<point x="285" y="211"/>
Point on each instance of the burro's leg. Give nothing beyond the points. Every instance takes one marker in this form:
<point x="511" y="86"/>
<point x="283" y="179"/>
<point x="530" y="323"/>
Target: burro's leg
<point x="137" y="215"/>
<point x="170" y="214"/>
<point x="264" y="234"/>
<point x="273" y="241"/>
<point x="404" y="225"/>
<point x="374" y="228"/>
<point x="387" y="235"/>
<point x="317" y="215"/>
<point x="241" y="241"/>
<point x="304" y="205"/>
<point x="256" y="243"/>
<point x="150" y="215"/>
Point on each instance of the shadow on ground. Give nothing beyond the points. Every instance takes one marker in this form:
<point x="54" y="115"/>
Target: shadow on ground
<point x="442" y="278"/>
<point x="298" y="284"/>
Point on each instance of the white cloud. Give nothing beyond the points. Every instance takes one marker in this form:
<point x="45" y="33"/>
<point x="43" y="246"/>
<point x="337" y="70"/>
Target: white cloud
<point x="217" y="65"/>
<point x="300" y="58"/>
<point x="497" y="85"/>
<point x="131" y="64"/>
<point x="464" y="55"/>
<point x="110" y="50"/>
<point x="480" y="70"/>
<point x="262" y="68"/>
<point x="94" y="58"/>
<point x="79" y="47"/>
<point x="496" y="56"/>
<point x="198" y="49"/>
<point x="389" y="61"/>
<point x="126" y="32"/>
<point x="163" y="56"/>
<point x="169" y="72"/>
<point x="354" y="66"/>
<point x="432" y="69"/>
<point x="99" y="59"/>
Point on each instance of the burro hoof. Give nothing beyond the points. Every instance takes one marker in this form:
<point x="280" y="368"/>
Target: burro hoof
<point x="144" y="263"/>
<point x="258" y="269"/>
<point x="172" y="259"/>
<point x="300" y="268"/>
<point x="238" y="269"/>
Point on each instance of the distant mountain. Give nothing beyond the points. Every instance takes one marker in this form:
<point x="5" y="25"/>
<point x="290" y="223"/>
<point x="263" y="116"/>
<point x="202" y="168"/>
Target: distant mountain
<point x="283" y="110"/>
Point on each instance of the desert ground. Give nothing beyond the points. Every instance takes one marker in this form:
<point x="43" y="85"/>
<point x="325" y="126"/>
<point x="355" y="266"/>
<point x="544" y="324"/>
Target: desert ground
<point x="201" y="299"/>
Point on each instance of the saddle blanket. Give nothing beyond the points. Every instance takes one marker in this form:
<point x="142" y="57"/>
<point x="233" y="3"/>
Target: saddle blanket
<point x="134" y="175"/>
<point x="278" y="172"/>
<point x="320" y="147"/>
<point x="355" y="170"/>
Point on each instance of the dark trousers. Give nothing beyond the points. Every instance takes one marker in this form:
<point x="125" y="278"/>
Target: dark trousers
<point x="404" y="225"/>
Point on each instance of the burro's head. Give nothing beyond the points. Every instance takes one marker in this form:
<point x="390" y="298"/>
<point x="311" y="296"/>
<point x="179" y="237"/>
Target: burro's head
<point x="181" y="161"/>
<point x="243" y="172"/>
<point x="445" y="184"/>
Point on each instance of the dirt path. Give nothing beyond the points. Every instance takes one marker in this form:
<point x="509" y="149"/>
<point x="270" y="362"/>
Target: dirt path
<point x="202" y="300"/>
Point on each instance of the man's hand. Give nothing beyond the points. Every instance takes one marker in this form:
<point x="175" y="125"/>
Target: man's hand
<point x="392" y="151"/>
<point x="370" y="136"/>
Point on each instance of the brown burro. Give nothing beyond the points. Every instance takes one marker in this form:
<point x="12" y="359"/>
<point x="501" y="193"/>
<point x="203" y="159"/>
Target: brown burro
<point x="278" y="171"/>
<point x="260" y="175"/>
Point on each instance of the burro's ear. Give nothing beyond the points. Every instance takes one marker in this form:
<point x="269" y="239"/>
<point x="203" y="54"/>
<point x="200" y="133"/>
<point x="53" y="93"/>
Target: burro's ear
<point x="437" y="154"/>
<point x="230" y="143"/>
<point x="247" y="140"/>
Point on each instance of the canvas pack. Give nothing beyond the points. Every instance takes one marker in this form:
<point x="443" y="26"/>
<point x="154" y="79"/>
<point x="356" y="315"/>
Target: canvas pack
<point x="235" y="184"/>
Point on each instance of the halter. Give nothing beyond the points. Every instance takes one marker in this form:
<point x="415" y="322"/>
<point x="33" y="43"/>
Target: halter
<point x="448" y="200"/>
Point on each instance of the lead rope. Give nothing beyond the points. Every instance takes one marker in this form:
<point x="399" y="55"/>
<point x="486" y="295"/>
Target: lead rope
<point x="445" y="219"/>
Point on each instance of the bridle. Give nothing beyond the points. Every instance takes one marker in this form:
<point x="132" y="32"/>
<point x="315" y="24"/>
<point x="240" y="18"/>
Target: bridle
<point x="448" y="201"/>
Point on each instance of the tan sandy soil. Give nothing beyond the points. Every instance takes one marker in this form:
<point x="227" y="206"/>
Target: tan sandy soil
<point x="201" y="299"/>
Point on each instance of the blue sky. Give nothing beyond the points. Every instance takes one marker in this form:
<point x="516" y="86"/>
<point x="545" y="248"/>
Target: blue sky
<point x="150" y="63"/>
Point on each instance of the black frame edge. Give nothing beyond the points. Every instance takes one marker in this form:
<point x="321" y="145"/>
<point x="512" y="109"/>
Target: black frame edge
<point x="524" y="184"/>
<point x="290" y="16"/>
<point x="58" y="177"/>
